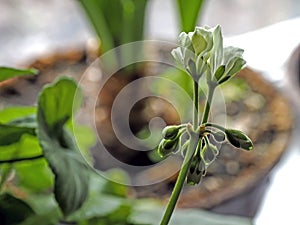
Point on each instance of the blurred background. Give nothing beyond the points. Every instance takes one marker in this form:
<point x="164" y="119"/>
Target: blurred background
<point x="29" y="28"/>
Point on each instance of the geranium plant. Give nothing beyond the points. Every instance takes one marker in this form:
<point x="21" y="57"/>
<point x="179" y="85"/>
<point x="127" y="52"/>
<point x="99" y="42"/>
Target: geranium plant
<point x="201" y="54"/>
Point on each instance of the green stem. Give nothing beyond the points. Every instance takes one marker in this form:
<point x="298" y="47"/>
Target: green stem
<point x="211" y="90"/>
<point x="194" y="138"/>
<point x="196" y="106"/>
<point x="180" y="180"/>
<point x="215" y="126"/>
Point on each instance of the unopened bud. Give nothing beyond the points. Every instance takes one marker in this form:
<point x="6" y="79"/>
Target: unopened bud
<point x="166" y="147"/>
<point x="170" y="132"/>
<point x="196" y="171"/>
<point x="239" y="139"/>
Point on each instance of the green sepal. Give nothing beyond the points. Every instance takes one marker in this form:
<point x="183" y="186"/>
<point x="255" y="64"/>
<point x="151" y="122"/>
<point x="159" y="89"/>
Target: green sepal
<point x="220" y="72"/>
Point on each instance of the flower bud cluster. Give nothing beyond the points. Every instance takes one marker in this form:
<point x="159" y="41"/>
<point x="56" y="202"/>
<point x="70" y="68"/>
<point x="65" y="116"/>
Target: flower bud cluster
<point x="208" y="150"/>
<point x="202" y="52"/>
<point x="170" y="142"/>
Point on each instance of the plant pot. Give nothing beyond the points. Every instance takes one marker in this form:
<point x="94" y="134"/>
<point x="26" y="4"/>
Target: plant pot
<point x="230" y="187"/>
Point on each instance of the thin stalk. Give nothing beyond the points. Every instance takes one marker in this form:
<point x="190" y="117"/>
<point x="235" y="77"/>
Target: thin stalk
<point x="215" y="126"/>
<point x="180" y="180"/>
<point x="186" y="162"/>
<point x="196" y="106"/>
<point x="211" y="90"/>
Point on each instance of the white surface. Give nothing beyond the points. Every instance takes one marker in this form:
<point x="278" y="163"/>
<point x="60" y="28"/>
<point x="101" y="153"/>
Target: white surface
<point x="281" y="204"/>
<point x="268" y="50"/>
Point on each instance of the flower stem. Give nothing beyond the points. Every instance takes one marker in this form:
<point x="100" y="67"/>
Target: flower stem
<point x="194" y="138"/>
<point x="215" y="126"/>
<point x="211" y="90"/>
<point x="180" y="180"/>
<point x="196" y="106"/>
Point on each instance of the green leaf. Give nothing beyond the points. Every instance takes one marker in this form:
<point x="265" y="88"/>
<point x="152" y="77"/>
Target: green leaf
<point x="13" y="210"/>
<point x="5" y="170"/>
<point x="7" y="73"/>
<point x="15" y="122"/>
<point x="11" y="134"/>
<point x="189" y="13"/>
<point x="45" y="208"/>
<point x="49" y="218"/>
<point x="25" y="122"/>
<point x="85" y="138"/>
<point x="26" y="147"/>
<point x="116" y="23"/>
<point x="35" y="176"/>
<point x="96" y="15"/>
<point x="55" y="107"/>
<point x="57" y="102"/>
<point x="13" y="113"/>
<point x="101" y="202"/>
<point x="97" y="205"/>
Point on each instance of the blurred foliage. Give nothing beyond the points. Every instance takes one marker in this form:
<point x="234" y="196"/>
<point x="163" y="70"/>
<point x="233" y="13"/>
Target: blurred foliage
<point x="188" y="13"/>
<point x="8" y="73"/>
